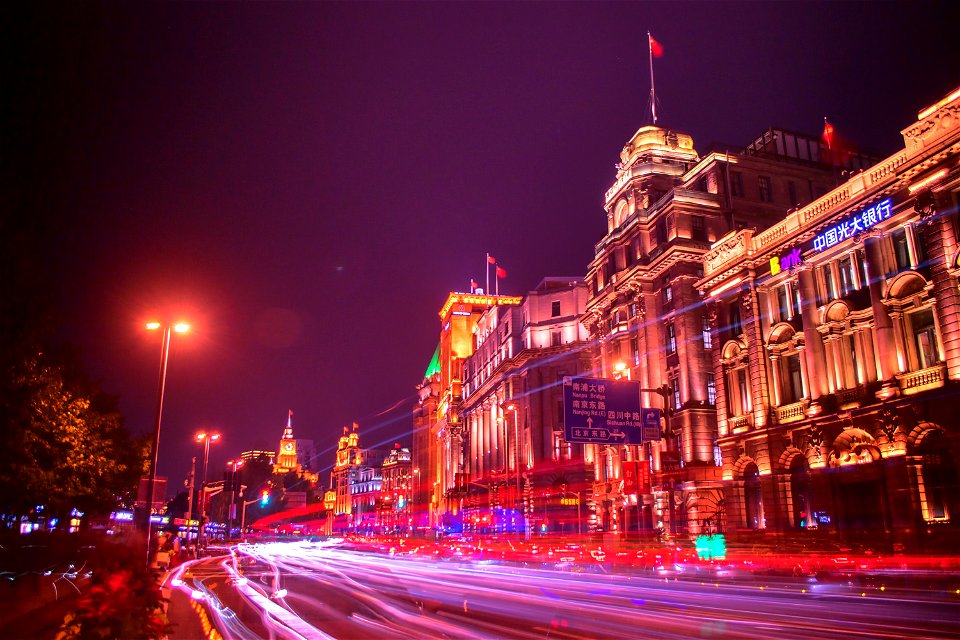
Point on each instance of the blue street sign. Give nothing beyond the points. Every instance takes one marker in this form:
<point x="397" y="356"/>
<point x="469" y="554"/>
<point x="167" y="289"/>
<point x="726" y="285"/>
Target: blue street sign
<point x="598" y="410"/>
<point x="651" y="423"/>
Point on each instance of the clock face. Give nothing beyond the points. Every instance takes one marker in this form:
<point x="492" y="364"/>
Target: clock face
<point x="288" y="446"/>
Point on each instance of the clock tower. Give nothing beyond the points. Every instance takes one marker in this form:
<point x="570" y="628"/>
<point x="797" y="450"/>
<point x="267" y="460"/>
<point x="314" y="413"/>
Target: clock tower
<point x="287" y="451"/>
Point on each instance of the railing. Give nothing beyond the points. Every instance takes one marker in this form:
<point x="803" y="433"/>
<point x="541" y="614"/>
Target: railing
<point x="848" y="396"/>
<point x="792" y="412"/>
<point x="917" y="381"/>
<point x="738" y="422"/>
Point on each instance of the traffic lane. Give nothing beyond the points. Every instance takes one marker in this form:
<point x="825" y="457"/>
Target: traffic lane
<point x="665" y="611"/>
<point x="716" y="605"/>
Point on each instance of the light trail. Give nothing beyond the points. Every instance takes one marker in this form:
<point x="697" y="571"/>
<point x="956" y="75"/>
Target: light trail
<point x="334" y="592"/>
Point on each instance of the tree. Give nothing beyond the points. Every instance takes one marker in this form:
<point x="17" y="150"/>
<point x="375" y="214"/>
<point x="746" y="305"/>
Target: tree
<point x="64" y="445"/>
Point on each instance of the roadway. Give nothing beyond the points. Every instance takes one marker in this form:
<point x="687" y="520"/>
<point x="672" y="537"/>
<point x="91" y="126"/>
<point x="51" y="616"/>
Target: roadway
<point x="300" y="590"/>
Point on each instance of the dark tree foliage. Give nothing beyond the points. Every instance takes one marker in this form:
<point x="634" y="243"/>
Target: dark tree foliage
<point x="64" y="443"/>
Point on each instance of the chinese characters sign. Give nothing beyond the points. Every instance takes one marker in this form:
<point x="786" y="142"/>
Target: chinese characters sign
<point x="607" y="411"/>
<point x="855" y="224"/>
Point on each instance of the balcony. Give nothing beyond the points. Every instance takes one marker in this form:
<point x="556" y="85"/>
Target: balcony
<point x="738" y="424"/>
<point x="922" y="380"/>
<point x="792" y="412"/>
<point x="849" y="398"/>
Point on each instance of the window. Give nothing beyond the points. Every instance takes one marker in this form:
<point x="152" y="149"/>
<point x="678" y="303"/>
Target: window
<point x="783" y="303"/>
<point x="901" y="250"/>
<point x="766" y="188"/>
<point x="795" y="299"/>
<point x="668" y="294"/>
<point x="829" y="291"/>
<point x="698" y="229"/>
<point x="671" y="339"/>
<point x="736" y="325"/>
<point x="632" y="309"/>
<point x="847" y="276"/>
<point x="707" y="339"/>
<point x="736" y="184"/>
<point x="753" y="497"/>
<point x="792" y="382"/>
<point x="919" y="247"/>
<point x="925" y="338"/>
<point x="792" y="192"/>
<point x="711" y="392"/>
<point x="555" y="309"/>
<point x="661" y="231"/>
<point x="744" y="391"/>
<point x="635" y="350"/>
<point x="675" y="387"/>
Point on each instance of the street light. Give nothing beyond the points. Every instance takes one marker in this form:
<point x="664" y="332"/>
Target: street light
<point x="180" y="327"/>
<point x="206" y="439"/>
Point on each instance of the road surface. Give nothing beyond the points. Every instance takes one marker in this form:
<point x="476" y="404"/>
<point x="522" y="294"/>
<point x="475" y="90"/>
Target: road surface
<point x="309" y="590"/>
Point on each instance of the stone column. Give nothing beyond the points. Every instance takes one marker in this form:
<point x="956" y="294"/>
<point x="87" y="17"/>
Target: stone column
<point x="883" y="324"/>
<point x="813" y="355"/>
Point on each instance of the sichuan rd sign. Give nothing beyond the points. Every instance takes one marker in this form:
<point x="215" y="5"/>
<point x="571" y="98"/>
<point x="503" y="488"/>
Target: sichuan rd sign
<point x="607" y="411"/>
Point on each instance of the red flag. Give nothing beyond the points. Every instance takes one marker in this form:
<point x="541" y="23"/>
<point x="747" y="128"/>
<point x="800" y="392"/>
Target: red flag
<point x="491" y="259"/>
<point x="655" y="47"/>
<point x="501" y="272"/>
<point x="827" y="134"/>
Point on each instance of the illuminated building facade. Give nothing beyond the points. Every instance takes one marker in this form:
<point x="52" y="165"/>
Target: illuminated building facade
<point x="517" y="467"/>
<point x="394" y="511"/>
<point x="355" y="481"/>
<point x="665" y="209"/>
<point x="836" y="352"/>
<point x="438" y="433"/>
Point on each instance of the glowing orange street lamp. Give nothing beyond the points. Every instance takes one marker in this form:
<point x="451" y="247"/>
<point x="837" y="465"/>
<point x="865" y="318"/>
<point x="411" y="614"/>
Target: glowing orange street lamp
<point x="180" y="327"/>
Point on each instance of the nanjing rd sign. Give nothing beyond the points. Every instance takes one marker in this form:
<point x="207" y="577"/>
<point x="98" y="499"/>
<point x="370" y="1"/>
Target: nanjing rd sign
<point x="854" y="224"/>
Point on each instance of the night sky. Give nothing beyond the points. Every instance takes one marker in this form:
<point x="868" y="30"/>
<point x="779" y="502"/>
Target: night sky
<point x="305" y="182"/>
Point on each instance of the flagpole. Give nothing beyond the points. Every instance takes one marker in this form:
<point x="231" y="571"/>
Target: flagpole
<point x="486" y="270"/>
<point x="653" y="93"/>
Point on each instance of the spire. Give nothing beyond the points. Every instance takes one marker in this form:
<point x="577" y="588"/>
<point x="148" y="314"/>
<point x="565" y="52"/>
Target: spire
<point x="288" y="430"/>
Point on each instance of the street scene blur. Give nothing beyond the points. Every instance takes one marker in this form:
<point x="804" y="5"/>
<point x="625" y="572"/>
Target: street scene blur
<point x="726" y="408"/>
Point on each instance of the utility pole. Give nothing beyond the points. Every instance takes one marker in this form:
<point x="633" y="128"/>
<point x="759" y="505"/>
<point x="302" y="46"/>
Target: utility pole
<point x="664" y="392"/>
<point x="193" y="466"/>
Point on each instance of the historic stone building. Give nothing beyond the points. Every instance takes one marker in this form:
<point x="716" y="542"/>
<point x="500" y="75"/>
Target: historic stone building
<point x="665" y="209"/>
<point x="394" y="509"/>
<point x="835" y="351"/>
<point x="355" y="481"/>
<point x="438" y="436"/>
<point x="518" y="472"/>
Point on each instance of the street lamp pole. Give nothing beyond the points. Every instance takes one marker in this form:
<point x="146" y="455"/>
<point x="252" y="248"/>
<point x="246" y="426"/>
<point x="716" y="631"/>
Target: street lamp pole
<point x="164" y="358"/>
<point x="206" y="438"/>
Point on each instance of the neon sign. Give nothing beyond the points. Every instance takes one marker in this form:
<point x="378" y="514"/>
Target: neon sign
<point x="855" y="224"/>
<point x="781" y="263"/>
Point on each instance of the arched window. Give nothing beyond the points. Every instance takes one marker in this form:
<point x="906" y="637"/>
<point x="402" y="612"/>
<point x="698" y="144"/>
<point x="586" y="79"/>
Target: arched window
<point x="737" y="378"/>
<point x="910" y="305"/>
<point x="785" y="363"/>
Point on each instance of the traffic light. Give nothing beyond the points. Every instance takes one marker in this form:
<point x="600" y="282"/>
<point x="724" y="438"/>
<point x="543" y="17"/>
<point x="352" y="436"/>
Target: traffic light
<point x="264" y="497"/>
